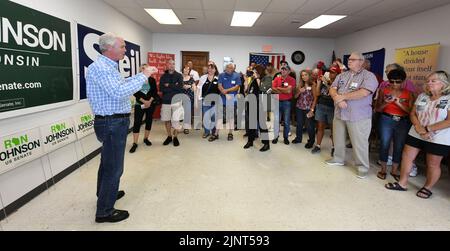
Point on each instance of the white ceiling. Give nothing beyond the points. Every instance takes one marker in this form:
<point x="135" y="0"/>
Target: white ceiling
<point x="214" y="16"/>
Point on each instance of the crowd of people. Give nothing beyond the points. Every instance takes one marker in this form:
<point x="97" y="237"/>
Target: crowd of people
<point x="350" y="101"/>
<point x="404" y="118"/>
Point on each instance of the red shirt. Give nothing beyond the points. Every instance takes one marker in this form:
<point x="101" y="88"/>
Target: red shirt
<point x="394" y="109"/>
<point x="284" y="82"/>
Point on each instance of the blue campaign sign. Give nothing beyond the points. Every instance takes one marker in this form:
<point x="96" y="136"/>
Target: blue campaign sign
<point x="88" y="51"/>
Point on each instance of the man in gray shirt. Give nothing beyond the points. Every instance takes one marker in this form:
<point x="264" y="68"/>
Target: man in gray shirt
<point x="352" y="93"/>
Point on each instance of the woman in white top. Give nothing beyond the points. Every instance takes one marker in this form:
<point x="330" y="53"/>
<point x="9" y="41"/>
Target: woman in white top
<point x="430" y="132"/>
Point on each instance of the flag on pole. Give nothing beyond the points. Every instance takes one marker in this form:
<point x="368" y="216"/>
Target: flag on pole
<point x="265" y="58"/>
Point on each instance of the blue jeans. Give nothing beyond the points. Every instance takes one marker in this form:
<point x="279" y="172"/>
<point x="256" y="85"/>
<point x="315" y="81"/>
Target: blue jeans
<point x="396" y="131"/>
<point x="210" y="115"/>
<point x="285" y="109"/>
<point x="112" y="133"/>
<point x="302" y="119"/>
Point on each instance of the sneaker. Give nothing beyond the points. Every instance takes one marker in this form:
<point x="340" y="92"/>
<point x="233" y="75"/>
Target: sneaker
<point x="309" y="145"/>
<point x="167" y="141"/>
<point x="362" y="174"/>
<point x="389" y="162"/>
<point x="315" y="150"/>
<point x="413" y="172"/>
<point x="332" y="162"/>
<point x="133" y="148"/>
<point x="286" y="141"/>
<point x="176" y="142"/>
<point x="147" y="142"/>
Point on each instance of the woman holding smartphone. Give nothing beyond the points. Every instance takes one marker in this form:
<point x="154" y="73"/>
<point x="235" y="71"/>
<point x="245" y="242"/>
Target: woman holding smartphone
<point x="394" y="104"/>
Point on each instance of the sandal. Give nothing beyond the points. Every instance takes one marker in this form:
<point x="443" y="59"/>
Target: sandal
<point x="230" y="137"/>
<point x="395" y="186"/>
<point x="396" y="176"/>
<point x="213" y="138"/>
<point x="381" y="175"/>
<point x="425" y="193"/>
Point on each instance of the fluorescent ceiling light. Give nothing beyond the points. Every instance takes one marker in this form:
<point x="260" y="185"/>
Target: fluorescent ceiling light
<point x="321" y="21"/>
<point x="244" y="18"/>
<point x="164" y="16"/>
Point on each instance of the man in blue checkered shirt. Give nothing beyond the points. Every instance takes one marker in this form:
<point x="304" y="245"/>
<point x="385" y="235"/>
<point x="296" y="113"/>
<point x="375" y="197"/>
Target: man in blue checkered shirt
<point x="109" y="94"/>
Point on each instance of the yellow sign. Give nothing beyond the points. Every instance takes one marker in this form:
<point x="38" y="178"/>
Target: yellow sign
<point x="418" y="61"/>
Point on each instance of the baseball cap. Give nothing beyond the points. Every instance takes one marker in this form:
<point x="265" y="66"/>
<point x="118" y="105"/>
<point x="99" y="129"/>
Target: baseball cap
<point x="286" y="67"/>
<point x="335" y="69"/>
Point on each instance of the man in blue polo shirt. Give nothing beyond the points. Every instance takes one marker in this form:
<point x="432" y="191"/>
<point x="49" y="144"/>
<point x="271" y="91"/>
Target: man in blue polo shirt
<point x="229" y="84"/>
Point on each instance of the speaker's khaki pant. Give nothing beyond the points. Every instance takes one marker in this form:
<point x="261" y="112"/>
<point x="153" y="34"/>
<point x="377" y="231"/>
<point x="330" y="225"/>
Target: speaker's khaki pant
<point x="359" y="133"/>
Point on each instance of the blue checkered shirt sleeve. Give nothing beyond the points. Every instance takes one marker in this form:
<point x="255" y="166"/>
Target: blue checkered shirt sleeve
<point x="107" y="91"/>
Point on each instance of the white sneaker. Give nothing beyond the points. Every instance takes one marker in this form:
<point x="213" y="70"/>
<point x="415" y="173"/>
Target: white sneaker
<point x="389" y="162"/>
<point x="413" y="172"/>
<point x="332" y="162"/>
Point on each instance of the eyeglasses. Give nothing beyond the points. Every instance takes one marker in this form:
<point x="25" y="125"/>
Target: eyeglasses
<point x="284" y="69"/>
<point x="392" y="81"/>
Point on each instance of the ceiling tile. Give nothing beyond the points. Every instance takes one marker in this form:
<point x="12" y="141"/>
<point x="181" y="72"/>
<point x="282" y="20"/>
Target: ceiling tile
<point x="271" y="19"/>
<point x="350" y="7"/>
<point x="285" y="6"/>
<point x="219" y="4"/>
<point x="318" y="6"/>
<point x="156" y="4"/>
<point x="186" y="4"/>
<point x="251" y="5"/>
<point x="121" y="3"/>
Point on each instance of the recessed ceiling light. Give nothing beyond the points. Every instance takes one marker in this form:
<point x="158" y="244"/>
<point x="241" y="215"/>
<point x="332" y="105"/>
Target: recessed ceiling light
<point x="164" y="16"/>
<point x="244" y="18"/>
<point x="321" y="21"/>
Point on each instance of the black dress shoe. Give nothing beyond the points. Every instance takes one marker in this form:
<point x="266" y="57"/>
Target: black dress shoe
<point x="296" y="141"/>
<point x="275" y="141"/>
<point x="133" y="148"/>
<point x="265" y="148"/>
<point x="309" y="145"/>
<point x="116" y="216"/>
<point x="167" y="141"/>
<point x="286" y="141"/>
<point x="147" y="142"/>
<point x="248" y="145"/>
<point x="176" y="142"/>
<point x="120" y="194"/>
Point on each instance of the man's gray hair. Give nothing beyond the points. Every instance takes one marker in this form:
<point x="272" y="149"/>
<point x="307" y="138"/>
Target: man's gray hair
<point x="359" y="54"/>
<point x="107" y="40"/>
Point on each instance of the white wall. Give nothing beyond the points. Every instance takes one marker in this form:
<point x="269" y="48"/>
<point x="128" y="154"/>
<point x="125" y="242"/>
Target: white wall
<point x="424" y="28"/>
<point x="95" y="14"/>
<point x="239" y="47"/>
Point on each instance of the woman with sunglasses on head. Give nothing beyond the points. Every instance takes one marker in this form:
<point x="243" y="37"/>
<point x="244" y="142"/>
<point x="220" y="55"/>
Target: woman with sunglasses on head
<point x="394" y="104"/>
<point x="430" y="133"/>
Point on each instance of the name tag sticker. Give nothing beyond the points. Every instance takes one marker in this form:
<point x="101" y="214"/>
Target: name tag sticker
<point x="233" y="82"/>
<point x="442" y="104"/>
<point x="354" y="85"/>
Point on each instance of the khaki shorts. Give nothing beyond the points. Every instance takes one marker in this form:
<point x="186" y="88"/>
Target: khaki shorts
<point x="173" y="113"/>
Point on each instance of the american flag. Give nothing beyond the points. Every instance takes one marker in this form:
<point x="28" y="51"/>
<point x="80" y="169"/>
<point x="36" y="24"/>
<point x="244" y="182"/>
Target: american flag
<point x="265" y="58"/>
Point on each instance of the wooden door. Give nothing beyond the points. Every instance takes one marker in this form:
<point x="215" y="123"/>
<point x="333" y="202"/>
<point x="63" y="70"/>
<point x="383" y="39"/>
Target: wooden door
<point x="198" y="58"/>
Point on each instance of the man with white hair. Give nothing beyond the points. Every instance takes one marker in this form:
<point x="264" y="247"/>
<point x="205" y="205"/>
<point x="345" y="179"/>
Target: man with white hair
<point x="352" y="93"/>
<point x="109" y="94"/>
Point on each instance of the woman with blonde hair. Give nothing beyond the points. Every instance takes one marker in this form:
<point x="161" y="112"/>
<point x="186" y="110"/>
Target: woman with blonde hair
<point x="430" y="132"/>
